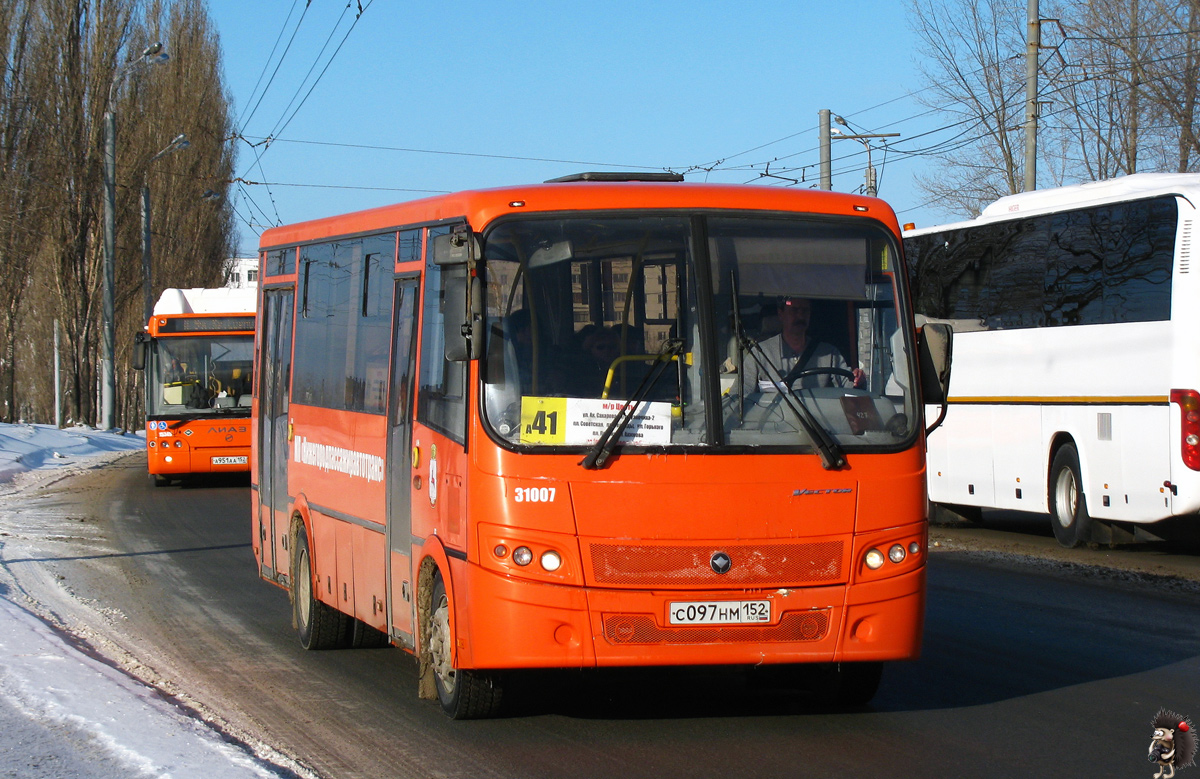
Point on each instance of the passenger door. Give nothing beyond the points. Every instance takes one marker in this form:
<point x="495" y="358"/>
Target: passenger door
<point x="276" y="368"/>
<point x="400" y="581"/>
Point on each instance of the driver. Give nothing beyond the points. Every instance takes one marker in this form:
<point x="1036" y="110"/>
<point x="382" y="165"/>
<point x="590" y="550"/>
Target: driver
<point x="790" y="346"/>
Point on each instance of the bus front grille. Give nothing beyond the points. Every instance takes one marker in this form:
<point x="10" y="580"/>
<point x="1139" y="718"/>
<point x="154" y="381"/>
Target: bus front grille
<point x="626" y="629"/>
<point x="766" y="565"/>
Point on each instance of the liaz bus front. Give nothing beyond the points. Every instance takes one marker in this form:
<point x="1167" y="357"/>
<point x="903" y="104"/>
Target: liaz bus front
<point x="693" y="435"/>
<point x="198" y="354"/>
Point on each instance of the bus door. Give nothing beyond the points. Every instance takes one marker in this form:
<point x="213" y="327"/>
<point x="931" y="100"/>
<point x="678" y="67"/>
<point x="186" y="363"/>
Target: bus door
<point x="400" y="582"/>
<point x="273" y="446"/>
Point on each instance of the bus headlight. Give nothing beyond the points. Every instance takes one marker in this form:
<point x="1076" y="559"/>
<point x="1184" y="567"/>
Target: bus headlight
<point x="551" y="560"/>
<point x="874" y="559"/>
<point x="522" y="556"/>
<point x="896" y="554"/>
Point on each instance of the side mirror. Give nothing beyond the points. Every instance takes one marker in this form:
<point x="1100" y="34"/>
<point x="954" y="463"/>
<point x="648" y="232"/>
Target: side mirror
<point x="456" y="248"/>
<point x="935" y="346"/>
<point x="462" y="320"/>
<point x="140" y="343"/>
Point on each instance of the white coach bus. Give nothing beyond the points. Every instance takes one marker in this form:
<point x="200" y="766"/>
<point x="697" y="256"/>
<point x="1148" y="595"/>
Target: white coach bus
<point x="1077" y="355"/>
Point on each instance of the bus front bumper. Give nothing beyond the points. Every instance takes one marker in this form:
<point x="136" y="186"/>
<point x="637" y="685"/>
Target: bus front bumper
<point x="171" y="461"/>
<point x="529" y="624"/>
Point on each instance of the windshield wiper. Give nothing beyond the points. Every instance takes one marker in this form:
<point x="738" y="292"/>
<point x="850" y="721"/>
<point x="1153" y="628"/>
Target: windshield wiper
<point x="600" y="451"/>
<point x="832" y="455"/>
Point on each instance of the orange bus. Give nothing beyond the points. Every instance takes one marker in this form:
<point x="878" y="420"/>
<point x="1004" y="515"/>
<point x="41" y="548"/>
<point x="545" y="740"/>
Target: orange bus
<point x="537" y="427"/>
<point x="197" y="351"/>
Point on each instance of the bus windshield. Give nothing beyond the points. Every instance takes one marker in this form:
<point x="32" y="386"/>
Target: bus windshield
<point x="729" y="330"/>
<point x="200" y="375"/>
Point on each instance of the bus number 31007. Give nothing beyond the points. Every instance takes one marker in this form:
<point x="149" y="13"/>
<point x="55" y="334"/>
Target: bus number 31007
<point x="534" y="494"/>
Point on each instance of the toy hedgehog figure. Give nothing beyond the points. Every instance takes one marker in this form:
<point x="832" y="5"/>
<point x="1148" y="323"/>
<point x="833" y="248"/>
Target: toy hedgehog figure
<point x="1173" y="744"/>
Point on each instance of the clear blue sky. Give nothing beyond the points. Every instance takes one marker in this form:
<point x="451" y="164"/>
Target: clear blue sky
<point x="514" y="93"/>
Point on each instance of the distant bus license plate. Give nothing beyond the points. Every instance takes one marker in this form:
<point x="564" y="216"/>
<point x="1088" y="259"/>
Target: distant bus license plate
<point x="720" y="612"/>
<point x="229" y="461"/>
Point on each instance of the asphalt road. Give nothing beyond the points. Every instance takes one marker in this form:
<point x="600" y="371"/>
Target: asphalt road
<point x="1027" y="669"/>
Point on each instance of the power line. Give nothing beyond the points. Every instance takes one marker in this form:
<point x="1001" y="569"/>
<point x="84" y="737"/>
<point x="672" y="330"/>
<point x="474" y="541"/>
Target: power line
<point x="282" y="123"/>
<point x="281" y="59"/>
<point x="370" y="147"/>
<point x="339" y="186"/>
<point x="312" y="67"/>
<point x="1107" y="38"/>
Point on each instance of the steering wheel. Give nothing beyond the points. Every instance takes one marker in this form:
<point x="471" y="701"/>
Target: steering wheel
<point x="818" y="371"/>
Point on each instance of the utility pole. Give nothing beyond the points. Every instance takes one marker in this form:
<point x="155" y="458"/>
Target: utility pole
<point x="108" y="382"/>
<point x="826" y="156"/>
<point x="147" y="292"/>
<point x="57" y="380"/>
<point x="1034" y="42"/>
<point x="107" y="335"/>
<point x="865" y="139"/>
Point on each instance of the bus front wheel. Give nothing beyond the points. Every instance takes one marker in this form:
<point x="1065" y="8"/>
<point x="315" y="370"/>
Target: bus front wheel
<point x="1068" y="506"/>
<point x="849" y="684"/>
<point x="463" y="694"/>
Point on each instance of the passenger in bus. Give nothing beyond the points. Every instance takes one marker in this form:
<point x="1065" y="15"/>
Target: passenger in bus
<point x="792" y="346"/>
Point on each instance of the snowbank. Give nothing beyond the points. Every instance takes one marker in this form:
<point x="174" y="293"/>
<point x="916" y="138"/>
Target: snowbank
<point x="39" y="447"/>
<point x="64" y="712"/>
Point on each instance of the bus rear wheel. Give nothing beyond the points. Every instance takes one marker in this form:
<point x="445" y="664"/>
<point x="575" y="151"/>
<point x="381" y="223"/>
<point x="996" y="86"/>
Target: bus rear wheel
<point x="1068" y="506"/>
<point x="463" y="694"/>
<point x="318" y="625"/>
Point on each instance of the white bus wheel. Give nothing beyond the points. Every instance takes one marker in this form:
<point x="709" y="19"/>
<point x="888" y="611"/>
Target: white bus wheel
<point x="1068" y="506"/>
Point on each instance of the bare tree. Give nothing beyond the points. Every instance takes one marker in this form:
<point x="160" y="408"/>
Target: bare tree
<point x="971" y="58"/>
<point x="74" y="57"/>
<point x="1174" y="79"/>
<point x="19" y="211"/>
<point x="192" y="234"/>
<point x="1118" y="92"/>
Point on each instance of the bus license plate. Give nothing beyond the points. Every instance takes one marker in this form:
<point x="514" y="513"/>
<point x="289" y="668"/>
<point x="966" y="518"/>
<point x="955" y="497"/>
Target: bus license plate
<point x="720" y="612"/>
<point x="229" y="461"/>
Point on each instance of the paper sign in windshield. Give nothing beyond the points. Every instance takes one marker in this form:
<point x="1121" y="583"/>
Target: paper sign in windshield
<point x="581" y="421"/>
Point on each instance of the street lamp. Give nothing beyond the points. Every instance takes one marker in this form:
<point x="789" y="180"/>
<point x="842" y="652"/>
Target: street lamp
<point x="152" y="55"/>
<point x="179" y="142"/>
<point x="864" y="139"/>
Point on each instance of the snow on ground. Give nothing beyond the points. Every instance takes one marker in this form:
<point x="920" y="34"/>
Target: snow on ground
<point x="63" y="712"/>
<point x="41" y="447"/>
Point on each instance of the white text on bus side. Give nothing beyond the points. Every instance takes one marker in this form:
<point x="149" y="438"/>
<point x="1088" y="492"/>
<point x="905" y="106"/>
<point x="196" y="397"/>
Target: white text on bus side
<point x="534" y="494"/>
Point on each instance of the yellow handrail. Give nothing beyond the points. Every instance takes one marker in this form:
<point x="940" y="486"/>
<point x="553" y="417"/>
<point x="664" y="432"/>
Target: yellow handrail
<point x="612" y="369"/>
